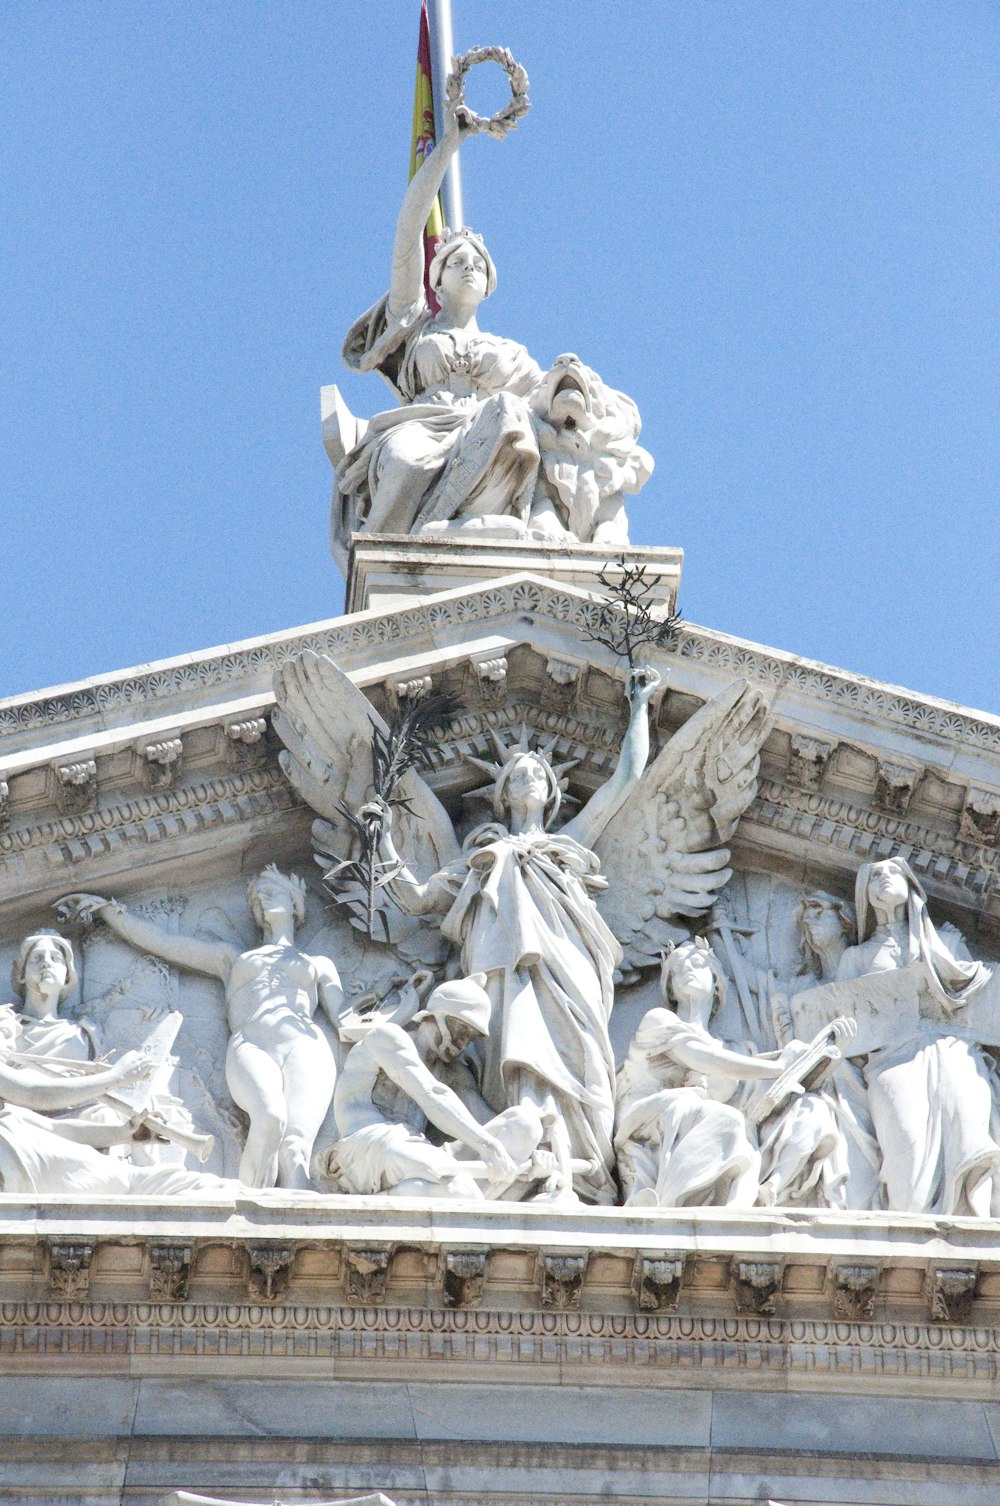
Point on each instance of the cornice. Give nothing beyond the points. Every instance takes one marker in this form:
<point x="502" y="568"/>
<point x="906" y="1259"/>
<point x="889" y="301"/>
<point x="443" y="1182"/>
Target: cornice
<point x="351" y="640"/>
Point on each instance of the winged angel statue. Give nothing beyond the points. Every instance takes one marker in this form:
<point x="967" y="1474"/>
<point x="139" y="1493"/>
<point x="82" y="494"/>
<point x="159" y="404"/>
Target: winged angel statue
<point x="549" y="916"/>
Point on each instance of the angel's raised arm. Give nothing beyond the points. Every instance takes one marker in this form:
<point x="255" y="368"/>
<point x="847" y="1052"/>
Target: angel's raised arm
<point x="587" y="825"/>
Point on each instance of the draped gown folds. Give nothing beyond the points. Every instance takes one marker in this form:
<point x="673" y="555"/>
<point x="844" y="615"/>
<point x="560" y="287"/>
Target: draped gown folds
<point x="524" y="915"/>
<point x="461" y="446"/>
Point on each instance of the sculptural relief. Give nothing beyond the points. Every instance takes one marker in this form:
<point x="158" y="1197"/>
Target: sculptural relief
<point x="391" y="1089"/>
<point x="46" y="1145"/>
<point x="689" y="1132"/>
<point x="483" y="439"/>
<point x="279" y="1066"/>
<point x="521" y="903"/>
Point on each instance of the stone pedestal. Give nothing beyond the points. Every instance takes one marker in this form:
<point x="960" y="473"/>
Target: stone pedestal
<point x="388" y="572"/>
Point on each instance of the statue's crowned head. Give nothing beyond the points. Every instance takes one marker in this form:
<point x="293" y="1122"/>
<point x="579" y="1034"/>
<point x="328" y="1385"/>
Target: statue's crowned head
<point x="681" y="970"/>
<point x="271" y="880"/>
<point x="524" y="774"/>
<point x="449" y="243"/>
<point x="37" y="942"/>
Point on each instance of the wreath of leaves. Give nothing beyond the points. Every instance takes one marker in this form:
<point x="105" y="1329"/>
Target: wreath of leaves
<point x="507" y="119"/>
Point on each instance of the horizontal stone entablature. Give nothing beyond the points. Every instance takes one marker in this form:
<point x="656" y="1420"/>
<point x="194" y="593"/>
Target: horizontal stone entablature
<point x="814" y="1265"/>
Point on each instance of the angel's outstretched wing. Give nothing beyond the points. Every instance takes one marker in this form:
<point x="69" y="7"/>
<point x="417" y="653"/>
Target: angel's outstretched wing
<point x="663" y="852"/>
<point x="325" y="724"/>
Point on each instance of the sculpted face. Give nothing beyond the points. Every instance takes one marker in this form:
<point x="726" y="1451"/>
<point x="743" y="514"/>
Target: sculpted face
<point x="692" y="979"/>
<point x="821" y="923"/>
<point x="464" y="275"/>
<point x="453" y="1035"/>
<point x="528" y="780"/>
<point x="887" y="886"/>
<point x="45" y="970"/>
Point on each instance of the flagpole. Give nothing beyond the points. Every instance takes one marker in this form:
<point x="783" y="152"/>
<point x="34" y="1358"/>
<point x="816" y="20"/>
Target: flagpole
<point x="442" y="51"/>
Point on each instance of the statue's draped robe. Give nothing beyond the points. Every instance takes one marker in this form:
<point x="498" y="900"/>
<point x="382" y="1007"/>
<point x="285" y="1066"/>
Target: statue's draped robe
<point x="933" y="1095"/>
<point x="524" y="915"/>
<point x="462" y="444"/>
<point x="675" y="1138"/>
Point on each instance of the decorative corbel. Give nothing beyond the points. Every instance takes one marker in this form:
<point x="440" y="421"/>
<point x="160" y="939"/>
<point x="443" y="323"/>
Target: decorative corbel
<point x="656" y="1284"/>
<point x="416" y="689"/>
<point x="807" y="761"/>
<point x="562" y="1281"/>
<point x="980" y="820"/>
<point x="952" y="1292"/>
<point x="270" y="1270"/>
<point x="856" y="1288"/>
<point x="162" y="763"/>
<point x="563" y="677"/>
<point x="169" y="1272"/>
<point x="367" y="1275"/>
<point x="462" y="1277"/>
<point x="69" y="1271"/>
<point x="246" y="741"/>
<point x="75" y="786"/>
<point x="756" y="1285"/>
<point x="491" y="678"/>
<point x="4" y="805"/>
<point x="894" y="785"/>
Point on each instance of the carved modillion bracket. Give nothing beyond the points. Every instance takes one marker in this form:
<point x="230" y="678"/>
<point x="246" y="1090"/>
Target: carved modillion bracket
<point x="490" y="678"/>
<point x="416" y="689"/>
<point x="162" y="763"/>
<point x="462" y="1277"/>
<point x="69" y="1270"/>
<point x="980" y="820"/>
<point x="367" y="1275"/>
<point x="807" y="761"/>
<point x="4" y="805"/>
<point x="246" y="742"/>
<point x="952" y="1292"/>
<point x="75" y="786"/>
<point x="169" y="1272"/>
<point x="656" y="1283"/>
<point x="270" y="1270"/>
<point x="895" y="784"/>
<point x="562" y="1281"/>
<point x="855" y="1291"/>
<point x="756" y="1285"/>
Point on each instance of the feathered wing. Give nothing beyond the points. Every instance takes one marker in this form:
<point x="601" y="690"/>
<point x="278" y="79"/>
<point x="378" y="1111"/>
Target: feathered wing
<point x="325" y="723"/>
<point x="663" y="853"/>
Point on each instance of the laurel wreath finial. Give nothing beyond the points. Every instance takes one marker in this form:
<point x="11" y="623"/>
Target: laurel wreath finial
<point x="507" y="119"/>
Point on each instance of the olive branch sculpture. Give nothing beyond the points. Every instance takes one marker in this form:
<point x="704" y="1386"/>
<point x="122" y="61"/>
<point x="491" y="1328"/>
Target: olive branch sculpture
<point x="357" y="883"/>
<point x="626" y="622"/>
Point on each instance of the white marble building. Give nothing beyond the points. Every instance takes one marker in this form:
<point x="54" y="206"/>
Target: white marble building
<point x="453" y="1192"/>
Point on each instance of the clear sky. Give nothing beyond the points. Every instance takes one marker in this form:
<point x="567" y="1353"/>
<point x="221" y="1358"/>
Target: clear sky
<point x="775" y="225"/>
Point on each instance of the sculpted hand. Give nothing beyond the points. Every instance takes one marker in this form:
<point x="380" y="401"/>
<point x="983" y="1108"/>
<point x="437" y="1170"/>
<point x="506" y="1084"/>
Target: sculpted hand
<point x="134" y="1066"/>
<point x="842" y="1029"/>
<point x="641" y="684"/>
<point x="376" y="810"/>
<point x="80" y="909"/>
<point x="457" y="119"/>
<point x="498" y="1163"/>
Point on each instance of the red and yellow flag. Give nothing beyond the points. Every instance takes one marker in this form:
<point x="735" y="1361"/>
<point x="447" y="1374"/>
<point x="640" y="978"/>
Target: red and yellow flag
<point x="423" y="140"/>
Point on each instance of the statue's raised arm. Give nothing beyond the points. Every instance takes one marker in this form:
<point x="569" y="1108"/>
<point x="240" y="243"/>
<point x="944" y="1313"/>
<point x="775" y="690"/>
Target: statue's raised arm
<point x="484" y="440"/>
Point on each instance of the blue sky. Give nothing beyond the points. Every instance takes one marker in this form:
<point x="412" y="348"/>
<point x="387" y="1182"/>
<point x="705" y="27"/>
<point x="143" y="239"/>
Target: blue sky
<point x="777" y="226"/>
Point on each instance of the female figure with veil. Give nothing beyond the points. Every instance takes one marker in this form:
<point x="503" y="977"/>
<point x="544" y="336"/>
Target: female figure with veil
<point x="932" y="1090"/>
<point x="462" y="443"/>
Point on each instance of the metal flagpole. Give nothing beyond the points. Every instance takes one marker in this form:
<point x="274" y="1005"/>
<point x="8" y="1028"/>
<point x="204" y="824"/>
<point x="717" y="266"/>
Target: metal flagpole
<point x="442" y="49"/>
